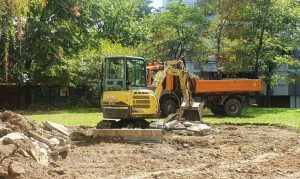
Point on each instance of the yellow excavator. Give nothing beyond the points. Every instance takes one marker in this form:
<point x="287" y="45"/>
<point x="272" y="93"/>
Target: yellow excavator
<point x="127" y="102"/>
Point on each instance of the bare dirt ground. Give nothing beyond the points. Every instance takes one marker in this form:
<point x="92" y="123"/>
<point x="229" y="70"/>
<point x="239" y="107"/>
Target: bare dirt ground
<point x="231" y="152"/>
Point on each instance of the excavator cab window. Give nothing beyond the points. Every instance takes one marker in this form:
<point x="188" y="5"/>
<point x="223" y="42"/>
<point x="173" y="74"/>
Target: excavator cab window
<point x="136" y="73"/>
<point x="114" y="74"/>
<point x="123" y="73"/>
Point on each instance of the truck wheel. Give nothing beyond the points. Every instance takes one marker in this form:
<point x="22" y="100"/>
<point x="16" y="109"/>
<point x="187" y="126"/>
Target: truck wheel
<point x="217" y="110"/>
<point x="233" y="107"/>
<point x="168" y="107"/>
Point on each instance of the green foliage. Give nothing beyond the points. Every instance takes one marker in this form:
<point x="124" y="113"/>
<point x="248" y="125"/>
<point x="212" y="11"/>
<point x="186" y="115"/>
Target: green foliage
<point x="119" y="20"/>
<point x="12" y="12"/>
<point x="63" y="42"/>
<point x="173" y="33"/>
<point x="115" y="49"/>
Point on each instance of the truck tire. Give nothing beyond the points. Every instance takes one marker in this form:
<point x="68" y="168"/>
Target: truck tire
<point x="217" y="110"/>
<point x="168" y="107"/>
<point x="233" y="107"/>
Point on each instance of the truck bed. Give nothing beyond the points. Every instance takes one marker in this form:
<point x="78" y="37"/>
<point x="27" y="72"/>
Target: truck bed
<point x="228" y="86"/>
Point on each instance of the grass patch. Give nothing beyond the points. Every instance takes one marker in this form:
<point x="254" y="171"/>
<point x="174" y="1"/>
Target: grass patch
<point x="68" y="117"/>
<point x="280" y="116"/>
<point x="90" y="117"/>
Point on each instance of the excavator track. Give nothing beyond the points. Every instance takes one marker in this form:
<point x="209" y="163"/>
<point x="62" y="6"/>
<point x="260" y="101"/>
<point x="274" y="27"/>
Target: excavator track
<point x="127" y="131"/>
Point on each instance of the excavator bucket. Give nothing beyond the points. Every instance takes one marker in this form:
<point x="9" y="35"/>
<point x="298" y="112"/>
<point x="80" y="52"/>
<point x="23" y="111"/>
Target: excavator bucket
<point x="127" y="131"/>
<point x="193" y="112"/>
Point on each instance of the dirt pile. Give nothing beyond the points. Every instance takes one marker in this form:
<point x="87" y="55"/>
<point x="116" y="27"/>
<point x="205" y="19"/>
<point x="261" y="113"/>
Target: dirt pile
<point x="25" y="145"/>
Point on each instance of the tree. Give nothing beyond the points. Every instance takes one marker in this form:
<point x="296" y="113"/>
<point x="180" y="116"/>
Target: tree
<point x="119" y="20"/>
<point x="222" y="12"/>
<point x="53" y="32"/>
<point x="174" y="33"/>
<point x="11" y="12"/>
<point x="261" y="35"/>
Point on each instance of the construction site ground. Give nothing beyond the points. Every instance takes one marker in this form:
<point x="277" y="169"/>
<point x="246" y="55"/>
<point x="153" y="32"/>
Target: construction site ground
<point x="251" y="151"/>
<point x="228" y="151"/>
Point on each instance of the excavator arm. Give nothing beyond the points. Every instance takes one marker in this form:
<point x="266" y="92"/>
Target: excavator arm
<point x="191" y="110"/>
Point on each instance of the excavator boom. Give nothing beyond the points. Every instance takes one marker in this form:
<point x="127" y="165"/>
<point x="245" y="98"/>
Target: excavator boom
<point x="190" y="110"/>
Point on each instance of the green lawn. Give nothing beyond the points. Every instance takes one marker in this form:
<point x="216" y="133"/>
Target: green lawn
<point x="90" y="117"/>
<point x="68" y="117"/>
<point x="280" y="116"/>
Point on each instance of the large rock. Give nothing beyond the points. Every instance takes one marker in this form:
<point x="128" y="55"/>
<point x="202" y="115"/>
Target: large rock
<point x="15" y="168"/>
<point x="13" y="136"/>
<point x="157" y="124"/>
<point x="58" y="127"/>
<point x="199" y="128"/>
<point x="174" y="125"/>
<point x="5" y="115"/>
<point x="187" y="123"/>
<point x="4" y="131"/>
<point x="6" y="150"/>
<point x="3" y="172"/>
<point x="40" y="138"/>
<point x="21" y="122"/>
<point x="54" y="141"/>
<point x="39" y="154"/>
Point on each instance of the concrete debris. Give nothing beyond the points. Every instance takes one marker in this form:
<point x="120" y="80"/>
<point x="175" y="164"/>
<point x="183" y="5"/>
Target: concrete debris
<point x="13" y="136"/>
<point x="171" y="117"/>
<point x="187" y="123"/>
<point x="54" y="164"/>
<point x="199" y="128"/>
<point x="183" y="127"/>
<point x="60" y="150"/>
<point x="39" y="154"/>
<point x="54" y="141"/>
<point x="172" y="125"/>
<point x="3" y="172"/>
<point x="24" y="140"/>
<point x="157" y="124"/>
<point x="180" y="126"/>
<point x="59" y="171"/>
<point x="5" y="115"/>
<point x="6" y="150"/>
<point x="24" y="153"/>
<point x="18" y="121"/>
<point x="186" y="145"/>
<point x="58" y="127"/>
<point x="40" y="138"/>
<point x="15" y="169"/>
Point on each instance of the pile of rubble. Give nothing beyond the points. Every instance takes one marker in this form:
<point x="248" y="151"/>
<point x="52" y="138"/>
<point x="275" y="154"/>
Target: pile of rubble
<point x="182" y="126"/>
<point x="22" y="138"/>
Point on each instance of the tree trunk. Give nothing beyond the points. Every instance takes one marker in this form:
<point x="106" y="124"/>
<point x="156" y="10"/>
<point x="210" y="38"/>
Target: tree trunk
<point x="268" y="95"/>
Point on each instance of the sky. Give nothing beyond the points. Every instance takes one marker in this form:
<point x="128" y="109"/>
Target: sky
<point x="156" y="3"/>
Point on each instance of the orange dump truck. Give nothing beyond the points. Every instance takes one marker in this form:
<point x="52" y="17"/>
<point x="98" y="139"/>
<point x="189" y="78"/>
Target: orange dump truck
<point x="224" y="97"/>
